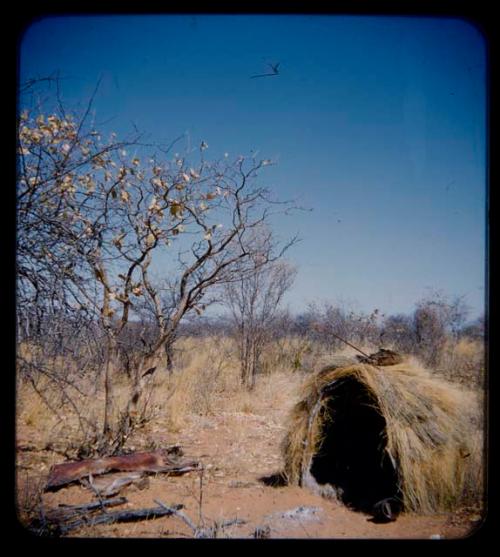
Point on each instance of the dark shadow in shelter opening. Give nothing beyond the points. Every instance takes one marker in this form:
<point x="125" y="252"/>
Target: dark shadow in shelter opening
<point x="352" y="454"/>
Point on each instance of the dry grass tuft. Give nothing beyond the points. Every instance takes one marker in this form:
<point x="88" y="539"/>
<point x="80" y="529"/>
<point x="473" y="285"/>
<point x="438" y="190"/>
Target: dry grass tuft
<point x="463" y="362"/>
<point x="207" y="382"/>
<point x="205" y="368"/>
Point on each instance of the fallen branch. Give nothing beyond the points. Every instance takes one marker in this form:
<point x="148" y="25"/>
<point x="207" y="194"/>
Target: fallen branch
<point x="177" y="512"/>
<point x="109" y="486"/>
<point x="163" y="461"/>
<point x="54" y="521"/>
<point x="210" y="532"/>
<point x="96" y="491"/>
<point x="120" y="516"/>
<point x="68" y="512"/>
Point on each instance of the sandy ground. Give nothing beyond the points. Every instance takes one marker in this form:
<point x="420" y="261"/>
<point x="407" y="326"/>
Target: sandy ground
<point x="237" y="450"/>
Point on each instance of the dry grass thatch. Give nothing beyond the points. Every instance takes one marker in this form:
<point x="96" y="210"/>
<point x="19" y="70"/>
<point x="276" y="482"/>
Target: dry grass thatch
<point x="376" y="432"/>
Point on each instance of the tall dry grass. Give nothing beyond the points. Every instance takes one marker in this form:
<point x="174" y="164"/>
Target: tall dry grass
<point x="204" y="369"/>
<point x="463" y="362"/>
<point x="206" y="382"/>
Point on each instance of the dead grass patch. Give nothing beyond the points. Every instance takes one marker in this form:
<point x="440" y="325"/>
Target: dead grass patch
<point x="463" y="362"/>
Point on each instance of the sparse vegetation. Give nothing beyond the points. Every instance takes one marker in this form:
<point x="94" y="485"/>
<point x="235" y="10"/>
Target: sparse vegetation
<point x="205" y="388"/>
<point x="113" y="357"/>
<point x="93" y="222"/>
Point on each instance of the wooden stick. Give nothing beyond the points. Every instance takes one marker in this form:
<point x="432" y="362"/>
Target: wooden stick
<point x="182" y="516"/>
<point x="349" y="344"/>
<point x="68" y="512"/>
<point x="94" y="505"/>
<point x="122" y="516"/>
<point x="201" y="532"/>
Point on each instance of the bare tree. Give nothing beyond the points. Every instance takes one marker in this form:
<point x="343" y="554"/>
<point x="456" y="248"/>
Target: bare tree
<point x="476" y="329"/>
<point x="436" y="318"/>
<point x="333" y="325"/>
<point x="97" y="224"/>
<point x="398" y="332"/>
<point x="254" y="302"/>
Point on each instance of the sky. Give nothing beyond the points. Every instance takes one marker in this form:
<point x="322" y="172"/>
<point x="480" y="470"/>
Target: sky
<point x="377" y="125"/>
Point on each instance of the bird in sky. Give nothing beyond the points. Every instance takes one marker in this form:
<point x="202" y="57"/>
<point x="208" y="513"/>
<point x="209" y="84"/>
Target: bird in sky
<point x="274" y="68"/>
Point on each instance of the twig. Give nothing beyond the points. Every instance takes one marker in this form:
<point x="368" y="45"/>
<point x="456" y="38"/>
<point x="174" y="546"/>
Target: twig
<point x="349" y="344"/>
<point x="304" y="528"/>
<point x="177" y="512"/>
<point x="200" y="501"/>
<point x="198" y="532"/>
<point x="92" y="506"/>
<point x="232" y="522"/>
<point x="66" y="517"/>
<point x="123" y="516"/>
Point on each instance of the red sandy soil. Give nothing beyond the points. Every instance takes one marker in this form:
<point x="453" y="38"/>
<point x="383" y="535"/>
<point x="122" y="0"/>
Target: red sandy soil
<point x="236" y="450"/>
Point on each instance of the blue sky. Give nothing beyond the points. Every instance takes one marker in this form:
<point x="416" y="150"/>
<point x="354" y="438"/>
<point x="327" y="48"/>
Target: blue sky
<point x="378" y="124"/>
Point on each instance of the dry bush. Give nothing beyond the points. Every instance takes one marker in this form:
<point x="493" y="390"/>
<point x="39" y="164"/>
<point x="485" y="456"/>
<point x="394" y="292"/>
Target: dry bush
<point x="59" y="404"/>
<point x="207" y="382"/>
<point x="462" y="361"/>
<point x="296" y="353"/>
<point x="33" y="409"/>
<point x="52" y="417"/>
<point x="63" y="405"/>
<point x="287" y="354"/>
<point x="29" y="491"/>
<point x="68" y="416"/>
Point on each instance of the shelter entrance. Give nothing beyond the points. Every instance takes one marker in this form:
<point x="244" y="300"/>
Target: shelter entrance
<point x="351" y="455"/>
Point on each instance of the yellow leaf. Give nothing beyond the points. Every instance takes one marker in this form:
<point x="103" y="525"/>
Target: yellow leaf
<point x="150" y="240"/>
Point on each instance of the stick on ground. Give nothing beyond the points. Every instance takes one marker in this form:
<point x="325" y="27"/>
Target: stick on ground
<point x="121" y="516"/>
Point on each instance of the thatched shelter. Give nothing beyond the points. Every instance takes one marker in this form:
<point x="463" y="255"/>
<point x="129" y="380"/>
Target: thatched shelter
<point x="368" y="433"/>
